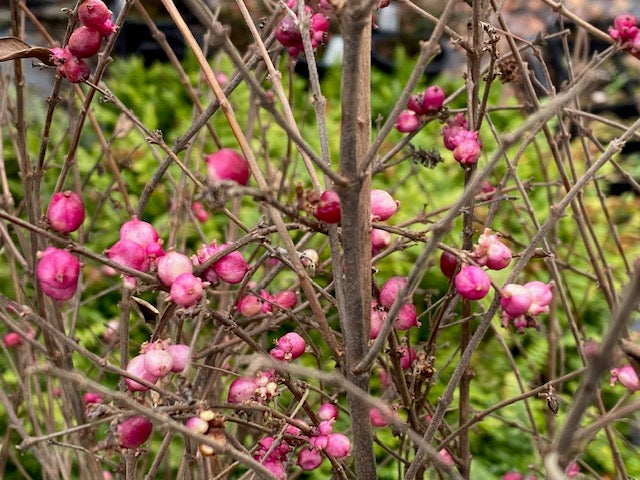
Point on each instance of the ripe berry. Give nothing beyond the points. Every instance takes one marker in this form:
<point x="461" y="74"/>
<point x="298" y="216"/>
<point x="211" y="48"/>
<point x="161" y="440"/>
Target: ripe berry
<point x="541" y="295"/>
<point x="390" y="290"/>
<point x="309" y="458"/>
<point x="328" y="411"/>
<point x="433" y="98"/>
<point x="515" y="299"/>
<point x="134" y="431"/>
<point x="472" y="283"/>
<point x="286" y="299"/>
<point x="130" y="254"/>
<point x="171" y="265"/>
<point x="186" y="290"/>
<point x="158" y="362"/>
<point x="383" y="205"/>
<point x="57" y="272"/>
<point x="66" y="211"/>
<point x="249" y="305"/>
<point x="328" y="209"/>
<point x="338" y="445"/>
<point x="137" y="367"/>
<point x="12" y="340"/>
<point x="93" y="13"/>
<point x="181" y="355"/>
<point x="407" y="122"/>
<point x="627" y="377"/>
<point x="242" y="389"/>
<point x="85" y="42"/>
<point x="227" y="164"/>
<point x="138" y="231"/>
<point x="448" y="264"/>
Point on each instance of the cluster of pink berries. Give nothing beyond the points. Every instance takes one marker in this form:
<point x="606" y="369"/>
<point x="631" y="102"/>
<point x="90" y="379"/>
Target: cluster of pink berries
<point x="288" y="34"/>
<point x="420" y="105"/>
<point x="407" y="316"/>
<point x="260" y="388"/>
<point x="521" y="304"/>
<point x="84" y="42"/>
<point x="251" y="305"/>
<point x="288" y="347"/>
<point x="627" y="377"/>
<point x="156" y="360"/>
<point x="626" y="32"/>
<point x="465" y="144"/>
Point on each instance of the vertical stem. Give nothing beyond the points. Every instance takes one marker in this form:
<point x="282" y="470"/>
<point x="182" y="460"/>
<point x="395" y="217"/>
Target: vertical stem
<point x="356" y="219"/>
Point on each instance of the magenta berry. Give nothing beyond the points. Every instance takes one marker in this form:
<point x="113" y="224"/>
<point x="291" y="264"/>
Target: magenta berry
<point x="154" y="250"/>
<point x="134" y="431"/>
<point x="231" y="268"/>
<point x="433" y="98"/>
<point x="107" y="28"/>
<point x="130" y="254"/>
<point x="498" y="256"/>
<point x="286" y="299"/>
<point x="415" y="103"/>
<point x="242" y="389"/>
<point x="407" y="317"/>
<point x="85" y="42"/>
<point x="137" y="367"/>
<point x="12" y="340"/>
<point x="407" y="122"/>
<point x="446" y="457"/>
<point x="627" y="377"/>
<point x="200" y="213"/>
<point x="328" y="411"/>
<point x="227" y="164"/>
<point x="467" y="151"/>
<point x="407" y="357"/>
<point x="292" y="344"/>
<point x="338" y="445"/>
<point x="181" y="355"/>
<point x="66" y="211"/>
<point x="138" y="231"/>
<point x="158" y="362"/>
<point x="249" y="306"/>
<point x="72" y="68"/>
<point x="57" y="272"/>
<point x="380" y="239"/>
<point x="515" y="299"/>
<point x="383" y="206"/>
<point x="378" y="316"/>
<point x="472" y="283"/>
<point x="390" y="290"/>
<point x="93" y="13"/>
<point x="309" y="458"/>
<point x="448" y="264"/>
<point x="171" y="265"/>
<point x="328" y="209"/>
<point x="625" y="28"/>
<point x="186" y="290"/>
<point x="377" y="418"/>
<point x="92" y="397"/>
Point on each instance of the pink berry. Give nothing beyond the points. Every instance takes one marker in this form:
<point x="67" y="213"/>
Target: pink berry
<point x="446" y="457"/>
<point x="328" y="209"/>
<point x="415" y="103"/>
<point x="158" y="362"/>
<point x="249" y="306"/>
<point x="92" y="397"/>
<point x="498" y="256"/>
<point x="85" y="42"/>
<point x="448" y="264"/>
<point x="107" y="28"/>
<point x="110" y="334"/>
<point x="467" y="151"/>
<point x="380" y="239"/>
<point x="407" y="122"/>
<point x="275" y="467"/>
<point x="326" y="427"/>
<point x="377" y="418"/>
<point x="338" y="445"/>
<point x="328" y="411"/>
<point x="383" y="205"/>
<point x="181" y="355"/>
<point x="407" y="357"/>
<point x="72" y="68"/>
<point x="66" y="211"/>
<point x="57" y="272"/>
<point x="138" y="231"/>
<point x="541" y="297"/>
<point x="12" y="340"/>
<point x="227" y="164"/>
<point x="292" y="344"/>
<point x="433" y="98"/>
<point x="154" y="250"/>
<point x="625" y="28"/>
<point x="200" y="213"/>
<point x="451" y="130"/>
<point x="106" y="475"/>
<point x="515" y="299"/>
<point x="288" y="35"/>
<point x="137" y="367"/>
<point x="627" y="377"/>
<point x="197" y="424"/>
<point x="242" y="389"/>
<point x="390" y="290"/>
<point x="134" y="431"/>
<point x="309" y="458"/>
<point x="186" y="290"/>
<point x="231" y="268"/>
<point x="378" y="316"/>
<point x="512" y="476"/>
<point x="130" y="254"/>
<point x="286" y="299"/>
<point x="93" y="13"/>
<point x="407" y="317"/>
<point x="171" y="265"/>
<point x="472" y="283"/>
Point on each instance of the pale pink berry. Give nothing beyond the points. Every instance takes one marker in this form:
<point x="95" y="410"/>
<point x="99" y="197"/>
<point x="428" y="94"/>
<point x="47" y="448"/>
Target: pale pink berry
<point x="309" y="458"/>
<point x="433" y="98"/>
<point x="111" y="333"/>
<point x="92" y="397"/>
<point x="93" y="13"/>
<point x="197" y="424"/>
<point x="137" y="367"/>
<point x="338" y="445"/>
<point x="158" y="362"/>
<point x="57" y="272"/>
<point x="12" y="340"/>
<point x="407" y="357"/>
<point x="390" y="290"/>
<point x="472" y="283"/>
<point x="380" y="239"/>
<point x="66" y="211"/>
<point x="383" y="205"/>
<point x="448" y="264"/>
<point x="242" y="389"/>
<point x="134" y="431"/>
<point x="328" y="209"/>
<point x="541" y="297"/>
<point x="106" y="475"/>
<point x="130" y="254"/>
<point x="227" y="164"/>
<point x="378" y="316"/>
<point x="627" y="377"/>
<point x="515" y="299"/>
<point x="377" y="418"/>
<point x="292" y="344"/>
<point x="231" y="268"/>
<point x="328" y="411"/>
<point x="186" y="290"/>
<point x="407" y="317"/>
<point x="249" y="306"/>
<point x="85" y="42"/>
<point x="286" y="299"/>
<point x="326" y="427"/>
<point x="446" y="457"/>
<point x="181" y="355"/>
<point x="407" y="122"/>
<point x="200" y="213"/>
<point x="143" y="233"/>
<point x="171" y="265"/>
<point x="498" y="256"/>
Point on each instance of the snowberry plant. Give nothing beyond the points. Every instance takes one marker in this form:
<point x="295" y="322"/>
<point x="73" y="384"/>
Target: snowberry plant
<point x="256" y="264"/>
